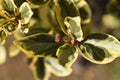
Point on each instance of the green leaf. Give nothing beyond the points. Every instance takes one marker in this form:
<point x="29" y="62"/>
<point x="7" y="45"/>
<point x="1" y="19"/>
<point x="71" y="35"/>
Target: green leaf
<point x="67" y="54"/>
<point x="38" y="44"/>
<point x="100" y="48"/>
<point x="53" y="21"/>
<point x="54" y="67"/>
<point x="3" y="36"/>
<point x="2" y="54"/>
<point x="39" y="69"/>
<point x="74" y="27"/>
<point x="39" y="2"/>
<point x="13" y="50"/>
<point x="4" y="14"/>
<point x="38" y="27"/>
<point x="34" y="30"/>
<point x="65" y="8"/>
<point x="9" y="5"/>
<point x="30" y="61"/>
<point x="19" y="2"/>
<point x="76" y="1"/>
<point x="85" y="11"/>
<point x="26" y="13"/>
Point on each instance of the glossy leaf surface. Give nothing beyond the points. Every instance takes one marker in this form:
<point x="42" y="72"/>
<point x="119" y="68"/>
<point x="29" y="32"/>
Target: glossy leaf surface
<point x="9" y="5"/>
<point x="54" y="67"/>
<point x="100" y="48"/>
<point x="39" y="2"/>
<point x="85" y="11"/>
<point x="38" y="44"/>
<point x="74" y="28"/>
<point x="67" y="54"/>
<point x="19" y="2"/>
<point x="26" y="13"/>
<point x="65" y="8"/>
<point x="38" y="68"/>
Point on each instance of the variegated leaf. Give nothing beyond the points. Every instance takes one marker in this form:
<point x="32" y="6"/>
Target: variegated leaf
<point x="39" y="69"/>
<point x="9" y="5"/>
<point x="73" y="27"/>
<point x="65" y="8"/>
<point x="54" y="67"/>
<point x="67" y="54"/>
<point x="38" y="44"/>
<point x="100" y="48"/>
<point x="85" y="11"/>
<point x="26" y="13"/>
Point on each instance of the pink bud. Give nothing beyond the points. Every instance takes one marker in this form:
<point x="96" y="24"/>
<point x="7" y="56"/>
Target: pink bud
<point x="73" y="41"/>
<point x="58" y="39"/>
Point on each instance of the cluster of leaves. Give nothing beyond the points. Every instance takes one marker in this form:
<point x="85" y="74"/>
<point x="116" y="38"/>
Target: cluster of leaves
<point x="55" y="36"/>
<point x="13" y="19"/>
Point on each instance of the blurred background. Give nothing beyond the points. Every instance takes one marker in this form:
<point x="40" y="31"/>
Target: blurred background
<point x="105" y="18"/>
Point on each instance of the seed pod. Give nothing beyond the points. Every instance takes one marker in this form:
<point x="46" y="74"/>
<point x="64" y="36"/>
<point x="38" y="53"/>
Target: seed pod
<point x="39" y="2"/>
